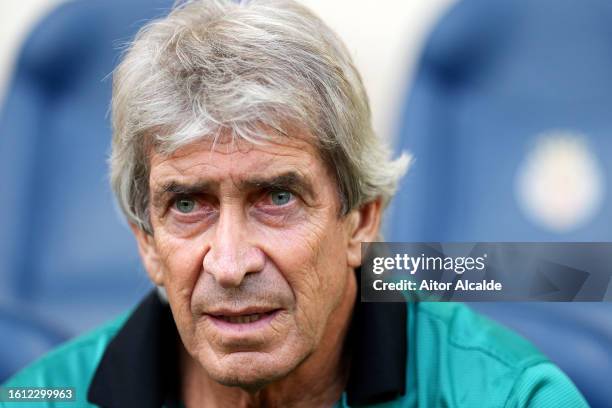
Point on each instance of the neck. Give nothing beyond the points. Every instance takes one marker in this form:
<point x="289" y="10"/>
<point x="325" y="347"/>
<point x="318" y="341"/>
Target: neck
<point x="318" y="382"/>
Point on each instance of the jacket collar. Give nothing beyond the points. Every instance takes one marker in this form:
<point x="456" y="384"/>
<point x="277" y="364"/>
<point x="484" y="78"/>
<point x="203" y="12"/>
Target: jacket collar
<point x="138" y="368"/>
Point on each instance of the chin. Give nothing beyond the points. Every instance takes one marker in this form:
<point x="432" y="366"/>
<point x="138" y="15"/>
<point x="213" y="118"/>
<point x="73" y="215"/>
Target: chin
<point x="250" y="385"/>
<point x="251" y="371"/>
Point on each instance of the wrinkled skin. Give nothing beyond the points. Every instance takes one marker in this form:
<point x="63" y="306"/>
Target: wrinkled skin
<point x="241" y="227"/>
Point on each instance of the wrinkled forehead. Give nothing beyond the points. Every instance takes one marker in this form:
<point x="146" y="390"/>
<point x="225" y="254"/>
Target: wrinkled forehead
<point x="229" y="158"/>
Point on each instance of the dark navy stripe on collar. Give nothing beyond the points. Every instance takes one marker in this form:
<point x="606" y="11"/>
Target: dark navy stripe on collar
<point x="379" y="341"/>
<point x="139" y="367"/>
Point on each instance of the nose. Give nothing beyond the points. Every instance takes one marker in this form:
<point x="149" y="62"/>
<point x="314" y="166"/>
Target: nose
<point x="232" y="254"/>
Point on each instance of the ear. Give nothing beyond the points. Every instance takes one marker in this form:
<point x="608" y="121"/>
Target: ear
<point x="364" y="224"/>
<point x="149" y="255"/>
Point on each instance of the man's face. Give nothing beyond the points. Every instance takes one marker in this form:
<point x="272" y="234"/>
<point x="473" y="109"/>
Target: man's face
<point x="249" y="244"/>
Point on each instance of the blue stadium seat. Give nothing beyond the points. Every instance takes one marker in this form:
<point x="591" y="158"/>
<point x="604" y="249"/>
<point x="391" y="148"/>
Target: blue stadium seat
<point x="507" y="96"/>
<point x="24" y="337"/>
<point x="64" y="250"/>
<point x="493" y="78"/>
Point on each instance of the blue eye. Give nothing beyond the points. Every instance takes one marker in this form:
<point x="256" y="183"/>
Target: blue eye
<point x="185" y="205"/>
<point x="280" y="197"/>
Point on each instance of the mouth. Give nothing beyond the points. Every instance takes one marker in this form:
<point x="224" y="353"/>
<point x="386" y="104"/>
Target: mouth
<point x="244" y="321"/>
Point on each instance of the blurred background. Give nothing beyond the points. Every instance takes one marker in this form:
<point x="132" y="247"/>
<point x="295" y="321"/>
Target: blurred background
<point x="505" y="104"/>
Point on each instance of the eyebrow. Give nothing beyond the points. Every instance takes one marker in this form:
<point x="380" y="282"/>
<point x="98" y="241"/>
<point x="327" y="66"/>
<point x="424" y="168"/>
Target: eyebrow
<point x="285" y="181"/>
<point x="174" y="188"/>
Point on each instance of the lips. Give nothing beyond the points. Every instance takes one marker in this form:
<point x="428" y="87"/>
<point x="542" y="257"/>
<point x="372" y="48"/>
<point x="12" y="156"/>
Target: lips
<point x="250" y="318"/>
<point x="245" y="316"/>
<point x="244" y="326"/>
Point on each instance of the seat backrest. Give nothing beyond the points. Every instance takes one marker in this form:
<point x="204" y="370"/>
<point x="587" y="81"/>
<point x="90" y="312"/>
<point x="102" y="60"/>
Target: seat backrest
<point x="508" y="119"/>
<point x="63" y="246"/>
<point x="24" y="337"/>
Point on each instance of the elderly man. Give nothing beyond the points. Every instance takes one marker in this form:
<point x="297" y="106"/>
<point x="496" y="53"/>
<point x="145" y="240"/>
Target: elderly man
<point x="245" y="162"/>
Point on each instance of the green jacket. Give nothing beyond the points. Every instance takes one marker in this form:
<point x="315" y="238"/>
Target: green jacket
<point x="404" y="355"/>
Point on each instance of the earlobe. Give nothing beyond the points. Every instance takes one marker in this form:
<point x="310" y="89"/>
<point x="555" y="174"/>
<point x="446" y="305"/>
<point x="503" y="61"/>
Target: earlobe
<point x="364" y="227"/>
<point x="149" y="255"/>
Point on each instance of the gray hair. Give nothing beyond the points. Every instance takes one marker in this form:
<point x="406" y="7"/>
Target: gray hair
<point x="214" y="66"/>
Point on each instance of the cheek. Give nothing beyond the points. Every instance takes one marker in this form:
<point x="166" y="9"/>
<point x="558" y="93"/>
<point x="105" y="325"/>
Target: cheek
<point x="182" y="263"/>
<point x="312" y="258"/>
<point x="182" y="260"/>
